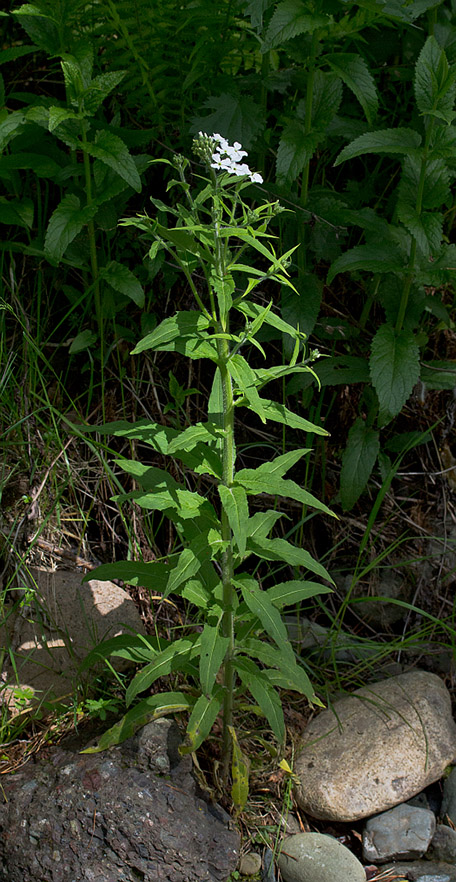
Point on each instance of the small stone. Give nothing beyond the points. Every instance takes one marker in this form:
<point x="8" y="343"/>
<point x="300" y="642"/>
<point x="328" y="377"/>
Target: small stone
<point x="443" y="845"/>
<point x="376" y="748"/>
<point x="403" y="833"/>
<point x="315" y="857"/>
<point x="250" y="864"/>
<point x="422" y="871"/>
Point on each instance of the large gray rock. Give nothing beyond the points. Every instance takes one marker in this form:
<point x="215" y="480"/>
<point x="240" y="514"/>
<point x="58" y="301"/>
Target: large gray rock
<point x="421" y="871"/>
<point x="64" y="618"/>
<point x="403" y="833"/>
<point x="315" y="857"/>
<point x="443" y="845"/>
<point x="376" y="748"/>
<point x="110" y="817"/>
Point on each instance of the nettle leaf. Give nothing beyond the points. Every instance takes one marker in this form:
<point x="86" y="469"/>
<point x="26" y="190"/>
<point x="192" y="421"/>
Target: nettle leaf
<point x="265" y="696"/>
<point x="292" y="592"/>
<point x="260" y="605"/>
<point x="398" y="140"/>
<point x="358" y="460"/>
<point x="10" y="126"/>
<point x="123" y="280"/>
<point x="149" y="709"/>
<point x="237" y="117"/>
<point x="234" y="501"/>
<point x="379" y="258"/>
<point x="426" y="228"/>
<point x="327" y="95"/>
<point x="100" y="88"/>
<point x="353" y="70"/>
<point x="291" y="18"/>
<point x="65" y="223"/>
<point x="212" y="654"/>
<point x="202" y="718"/>
<point x="280" y="549"/>
<point x="296" y="148"/>
<point x="395" y="368"/>
<point x="435" y="83"/>
<point x="436" y="190"/>
<point x="111" y="150"/>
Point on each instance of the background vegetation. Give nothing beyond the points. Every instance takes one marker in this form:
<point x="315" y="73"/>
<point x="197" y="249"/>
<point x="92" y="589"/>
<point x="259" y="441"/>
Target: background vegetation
<point x="347" y="110"/>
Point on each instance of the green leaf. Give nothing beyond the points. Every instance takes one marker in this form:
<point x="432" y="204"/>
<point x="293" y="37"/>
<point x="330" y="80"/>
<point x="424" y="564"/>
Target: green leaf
<point x="43" y="166"/>
<point x="290" y="19"/>
<point x="164" y="493"/>
<point x="369" y="258"/>
<point x="246" y="381"/>
<point x="261" y="523"/>
<point x="17" y="211"/>
<point x="255" y="311"/>
<point x="152" y="575"/>
<point x="201" y="720"/>
<point x="395" y="368"/>
<point x="277" y="467"/>
<point x="111" y="150"/>
<point x="238" y="118"/>
<point x="193" y="435"/>
<point x="265" y="696"/>
<point x="278" y="413"/>
<point x="59" y="115"/>
<point x="296" y="148"/>
<point x="14" y="52"/>
<point x="213" y="651"/>
<point x="182" y="324"/>
<point x="260" y="605"/>
<point x="399" y="140"/>
<point x="355" y="73"/>
<point x="99" y="89"/>
<point x="358" y="459"/>
<point x="123" y="280"/>
<point x="84" y="340"/>
<point x="134" y="647"/>
<point x="234" y="501"/>
<point x="280" y="549"/>
<point x="426" y="228"/>
<point x="174" y="658"/>
<point x="239" y="774"/>
<point x="327" y="95"/>
<point x="294" y="591"/>
<point x="435" y="85"/>
<point x="147" y="710"/>
<point x="65" y="223"/>
<point x="10" y="126"/>
<point x="257" y="481"/>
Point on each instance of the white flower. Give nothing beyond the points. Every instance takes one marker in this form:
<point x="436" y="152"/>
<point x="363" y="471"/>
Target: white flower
<point x="220" y="140"/>
<point x="235" y="152"/>
<point x="256" y="178"/>
<point x="221" y="163"/>
<point x="241" y="169"/>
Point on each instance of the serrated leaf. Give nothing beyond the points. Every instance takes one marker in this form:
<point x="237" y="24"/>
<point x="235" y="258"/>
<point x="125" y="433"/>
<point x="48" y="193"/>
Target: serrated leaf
<point x="111" y="150"/>
<point x="239" y="774"/>
<point x="327" y="95"/>
<point x="99" y="89"/>
<point x="358" y="459"/>
<point x="280" y="549"/>
<point x="213" y="651"/>
<point x="10" y="126"/>
<point x="174" y="658"/>
<point x="202" y="718"/>
<point x="399" y="140"/>
<point x="123" y="280"/>
<point x="395" y="368"/>
<point x="293" y="592"/>
<point x="382" y="258"/>
<point x="265" y="696"/>
<point x="291" y="18"/>
<point x="296" y="148"/>
<point x="237" y="117"/>
<point x="234" y="501"/>
<point x="426" y="228"/>
<point x="355" y="73"/>
<point x="260" y="605"/>
<point x="65" y="223"/>
<point x="435" y="85"/>
<point x="149" y="709"/>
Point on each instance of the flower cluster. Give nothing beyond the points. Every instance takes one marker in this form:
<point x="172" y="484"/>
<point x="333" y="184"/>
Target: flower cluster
<point x="228" y="158"/>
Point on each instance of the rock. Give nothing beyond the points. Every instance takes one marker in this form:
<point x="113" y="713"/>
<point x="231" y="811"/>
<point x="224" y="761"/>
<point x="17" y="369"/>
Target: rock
<point x="377" y="748"/>
<point x="403" y="833"/>
<point x="108" y="817"/>
<point x="421" y="871"/>
<point x="315" y="857"/>
<point x="250" y="864"/>
<point x="443" y="845"/>
<point x="66" y="619"/>
<point x="449" y="798"/>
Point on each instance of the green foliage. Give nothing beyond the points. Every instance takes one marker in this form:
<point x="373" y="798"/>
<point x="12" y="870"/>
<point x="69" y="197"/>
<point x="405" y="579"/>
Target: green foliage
<point x="217" y="542"/>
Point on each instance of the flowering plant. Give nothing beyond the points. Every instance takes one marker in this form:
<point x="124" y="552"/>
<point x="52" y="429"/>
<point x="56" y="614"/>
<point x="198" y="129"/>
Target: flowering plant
<point x="219" y="538"/>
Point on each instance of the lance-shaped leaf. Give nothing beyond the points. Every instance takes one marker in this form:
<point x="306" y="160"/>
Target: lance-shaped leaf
<point x="239" y="774"/>
<point x="262" y="522"/>
<point x="265" y="696"/>
<point x="213" y="650"/>
<point x="245" y="381"/>
<point x="292" y="592"/>
<point x="358" y="459"/>
<point x="255" y="483"/>
<point x="193" y="435"/>
<point x="188" y="564"/>
<point x="134" y="647"/>
<point x="65" y="223"/>
<point x="175" y="657"/>
<point x="280" y="549"/>
<point x="289" y="674"/>
<point x="278" y="413"/>
<point x="153" y="575"/>
<point x="147" y="710"/>
<point x="395" y="368"/>
<point x="355" y="73"/>
<point x="123" y="280"/>
<point x="111" y="150"/>
<point x="182" y="324"/>
<point x="164" y="492"/>
<point x="260" y="605"/>
<point x="234" y="501"/>
<point x="202" y="718"/>
<point x="254" y="311"/>
<point x="398" y="140"/>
